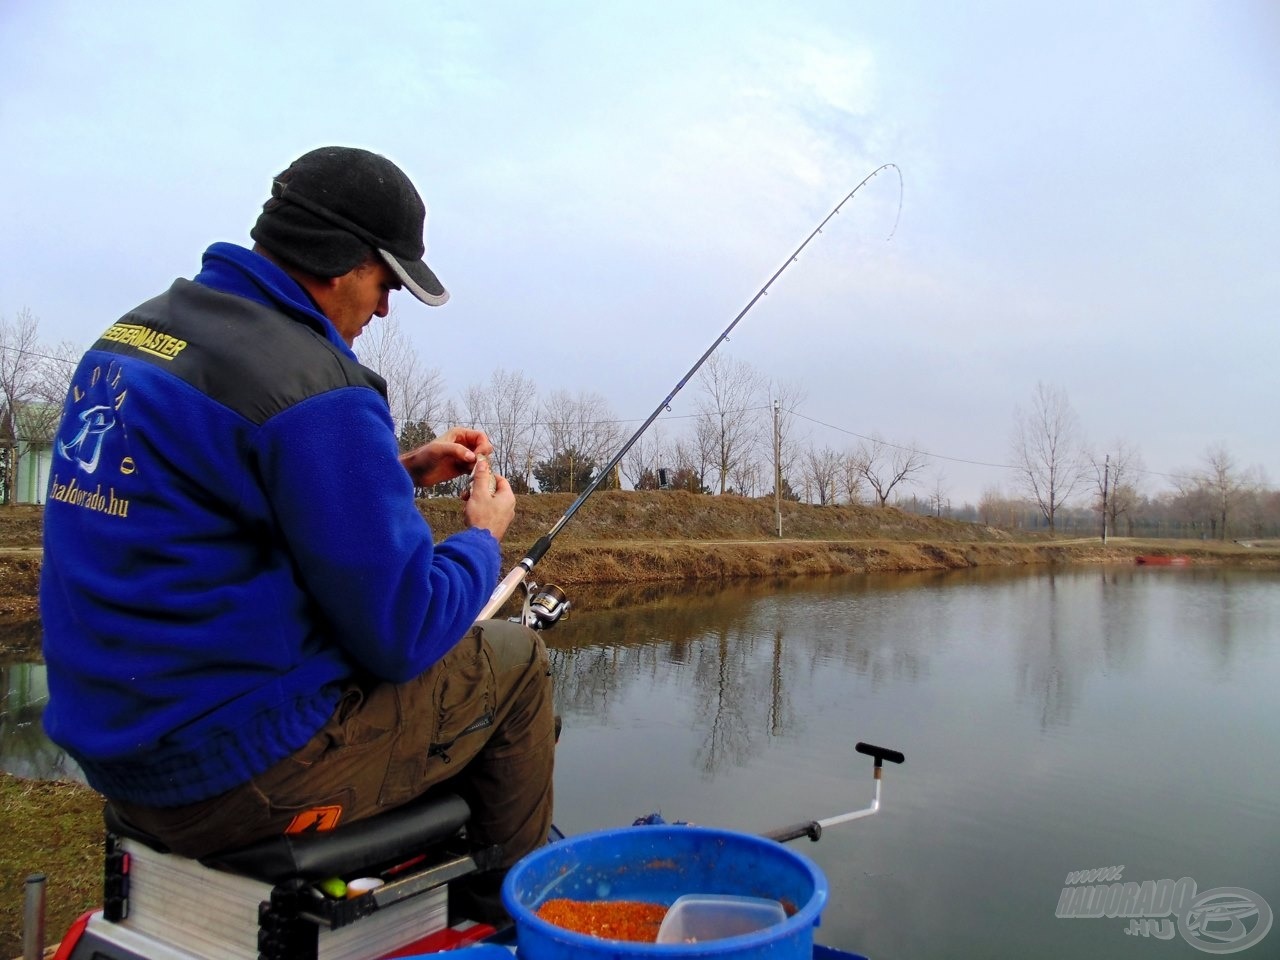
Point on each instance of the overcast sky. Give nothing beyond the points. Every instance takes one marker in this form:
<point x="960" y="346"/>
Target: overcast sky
<point x="1091" y="196"/>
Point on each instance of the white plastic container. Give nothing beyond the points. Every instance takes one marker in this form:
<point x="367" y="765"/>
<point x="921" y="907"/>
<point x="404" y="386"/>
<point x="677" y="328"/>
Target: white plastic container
<point x="696" y="917"/>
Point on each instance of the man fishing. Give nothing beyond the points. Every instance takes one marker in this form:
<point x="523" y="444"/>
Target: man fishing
<point x="248" y="628"/>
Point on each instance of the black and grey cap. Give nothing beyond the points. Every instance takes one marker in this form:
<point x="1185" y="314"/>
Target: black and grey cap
<point x="334" y="203"/>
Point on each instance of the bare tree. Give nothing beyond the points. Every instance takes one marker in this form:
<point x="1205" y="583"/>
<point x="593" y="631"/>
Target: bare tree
<point x="20" y="374"/>
<point x="886" y="466"/>
<point x="726" y="415"/>
<point x="1223" y="485"/>
<point x="1192" y="504"/>
<point x="1115" y="478"/>
<point x="745" y="478"/>
<point x="1048" y="451"/>
<point x="57" y="368"/>
<point x="788" y="443"/>
<point x="700" y="455"/>
<point x="641" y="463"/>
<point x="689" y="468"/>
<point x="41" y="412"/>
<point x="505" y="408"/>
<point x="451" y="415"/>
<point x="851" y="476"/>
<point x="581" y="427"/>
<point x="1259" y="508"/>
<point x="997" y="510"/>
<point x="938" y="499"/>
<point x="821" y="471"/>
<point x="415" y="394"/>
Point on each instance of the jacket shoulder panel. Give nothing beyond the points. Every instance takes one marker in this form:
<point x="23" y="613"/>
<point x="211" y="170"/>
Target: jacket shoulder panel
<point x="252" y="359"/>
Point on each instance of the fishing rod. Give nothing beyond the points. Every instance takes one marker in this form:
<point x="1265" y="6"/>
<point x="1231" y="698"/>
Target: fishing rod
<point x="548" y="605"/>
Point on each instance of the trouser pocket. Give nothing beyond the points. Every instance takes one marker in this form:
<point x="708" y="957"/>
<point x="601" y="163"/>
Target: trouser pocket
<point x="446" y="717"/>
<point x="442" y="749"/>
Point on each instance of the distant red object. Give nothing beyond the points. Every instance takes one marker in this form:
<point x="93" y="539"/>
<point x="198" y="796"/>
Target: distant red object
<point x="1161" y="560"/>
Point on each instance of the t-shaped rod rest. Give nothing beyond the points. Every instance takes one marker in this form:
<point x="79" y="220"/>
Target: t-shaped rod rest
<point x="813" y="828"/>
<point x="881" y="754"/>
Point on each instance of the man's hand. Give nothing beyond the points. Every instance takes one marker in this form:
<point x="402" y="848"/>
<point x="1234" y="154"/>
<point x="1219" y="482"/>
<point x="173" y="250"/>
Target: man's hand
<point x="492" y="511"/>
<point x="450" y="455"/>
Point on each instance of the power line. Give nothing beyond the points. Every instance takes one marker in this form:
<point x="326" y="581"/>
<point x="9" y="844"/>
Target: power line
<point x="976" y="463"/>
<point x="535" y="424"/>
<point x="898" y="446"/>
<point x="35" y="353"/>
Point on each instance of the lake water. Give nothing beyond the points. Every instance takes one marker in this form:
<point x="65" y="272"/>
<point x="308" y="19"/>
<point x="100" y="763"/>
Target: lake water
<point x="1052" y="722"/>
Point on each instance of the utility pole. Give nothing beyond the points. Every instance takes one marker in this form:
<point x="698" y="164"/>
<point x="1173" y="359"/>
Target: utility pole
<point x="1106" y="480"/>
<point x="777" y="468"/>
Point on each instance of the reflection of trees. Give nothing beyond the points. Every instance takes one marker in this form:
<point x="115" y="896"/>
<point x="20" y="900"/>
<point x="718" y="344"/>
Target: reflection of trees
<point x="1047" y="666"/>
<point x="744" y="662"/>
<point x="24" y="749"/>
<point x="1225" y="633"/>
<point x="780" y="712"/>
<point x="874" y="624"/>
<point x="736" y="651"/>
<point x="1232" y="617"/>
<point x="730" y="683"/>
<point x="1045" y="672"/>
<point x="1072" y="628"/>
<point x="708" y="645"/>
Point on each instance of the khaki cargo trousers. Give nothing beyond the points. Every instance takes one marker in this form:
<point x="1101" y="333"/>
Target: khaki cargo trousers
<point x="481" y="719"/>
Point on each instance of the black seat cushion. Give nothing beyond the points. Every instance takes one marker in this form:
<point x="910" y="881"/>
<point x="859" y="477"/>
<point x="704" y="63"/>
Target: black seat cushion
<point x="354" y="848"/>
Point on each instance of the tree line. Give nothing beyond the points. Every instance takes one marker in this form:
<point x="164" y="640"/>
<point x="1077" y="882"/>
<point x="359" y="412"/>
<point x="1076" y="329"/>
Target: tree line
<point x="34" y="379"/>
<point x="744" y="437"/>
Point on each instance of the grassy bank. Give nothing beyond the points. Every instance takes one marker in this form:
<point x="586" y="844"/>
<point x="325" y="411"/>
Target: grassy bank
<point x="625" y="537"/>
<point x="629" y="538"/>
<point x="54" y="829"/>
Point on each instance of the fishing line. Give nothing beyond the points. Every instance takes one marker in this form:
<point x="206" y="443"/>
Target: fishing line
<point x="508" y="585"/>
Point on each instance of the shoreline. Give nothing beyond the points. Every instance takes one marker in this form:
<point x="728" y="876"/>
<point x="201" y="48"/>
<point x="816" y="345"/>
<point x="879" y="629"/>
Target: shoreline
<point x="612" y="565"/>
<point x="694" y="561"/>
<point x="664" y="539"/>
<point x="630" y="549"/>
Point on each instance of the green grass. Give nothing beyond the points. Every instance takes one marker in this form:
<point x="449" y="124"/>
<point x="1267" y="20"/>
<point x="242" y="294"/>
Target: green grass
<point x="52" y="828"/>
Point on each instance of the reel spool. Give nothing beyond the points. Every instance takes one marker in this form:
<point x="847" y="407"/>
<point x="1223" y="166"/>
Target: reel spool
<point x="543" y="606"/>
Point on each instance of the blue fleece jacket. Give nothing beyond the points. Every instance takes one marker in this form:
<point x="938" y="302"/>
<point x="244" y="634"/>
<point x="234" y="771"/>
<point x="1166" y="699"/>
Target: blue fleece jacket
<point x="229" y="535"/>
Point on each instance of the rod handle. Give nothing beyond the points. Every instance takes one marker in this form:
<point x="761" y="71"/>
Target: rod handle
<point x="537" y="550"/>
<point x="502" y="593"/>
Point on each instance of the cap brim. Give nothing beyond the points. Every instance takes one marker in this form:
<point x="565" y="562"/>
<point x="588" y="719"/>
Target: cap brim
<point x="417" y="279"/>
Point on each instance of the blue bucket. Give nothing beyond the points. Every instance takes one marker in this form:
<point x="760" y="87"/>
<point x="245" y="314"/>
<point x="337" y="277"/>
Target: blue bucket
<point x="657" y="864"/>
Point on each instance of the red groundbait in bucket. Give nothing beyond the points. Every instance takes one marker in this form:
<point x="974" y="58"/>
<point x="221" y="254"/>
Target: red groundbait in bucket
<point x="659" y="864"/>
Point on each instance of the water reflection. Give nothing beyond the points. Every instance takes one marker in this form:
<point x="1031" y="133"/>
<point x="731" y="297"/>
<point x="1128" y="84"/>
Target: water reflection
<point x="1053" y="720"/>
<point x="25" y="751"/>
<point x="1061" y="638"/>
<point x="738" y="658"/>
<point x="742" y="666"/>
<point x="1048" y="719"/>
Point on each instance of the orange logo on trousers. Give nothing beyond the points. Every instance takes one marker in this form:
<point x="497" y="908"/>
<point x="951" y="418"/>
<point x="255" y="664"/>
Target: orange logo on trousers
<point x="315" y="820"/>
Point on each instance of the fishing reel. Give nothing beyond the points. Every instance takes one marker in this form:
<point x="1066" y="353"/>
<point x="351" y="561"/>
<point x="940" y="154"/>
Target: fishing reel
<point x="543" y="606"/>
